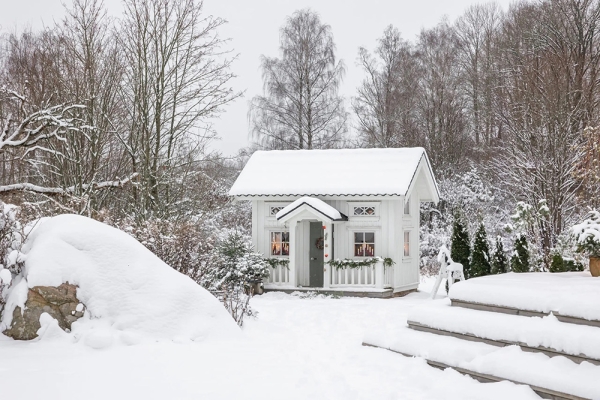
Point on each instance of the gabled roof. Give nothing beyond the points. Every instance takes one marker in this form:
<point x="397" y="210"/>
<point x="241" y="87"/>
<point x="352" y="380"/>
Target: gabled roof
<point x="339" y="172"/>
<point x="313" y="205"/>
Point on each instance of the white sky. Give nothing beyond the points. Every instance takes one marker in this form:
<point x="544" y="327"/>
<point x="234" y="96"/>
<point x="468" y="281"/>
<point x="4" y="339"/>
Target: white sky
<point x="254" y="30"/>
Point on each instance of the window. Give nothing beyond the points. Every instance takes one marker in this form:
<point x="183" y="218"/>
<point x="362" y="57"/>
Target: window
<point x="406" y="206"/>
<point x="364" y="211"/>
<point x="275" y="210"/>
<point x="406" y="244"/>
<point x="364" y="244"/>
<point x="280" y="243"/>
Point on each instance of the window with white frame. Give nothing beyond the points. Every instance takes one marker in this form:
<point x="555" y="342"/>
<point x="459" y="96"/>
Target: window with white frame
<point x="364" y="244"/>
<point x="406" y="243"/>
<point x="280" y="243"/>
<point x="406" y="206"/>
<point x="363" y="210"/>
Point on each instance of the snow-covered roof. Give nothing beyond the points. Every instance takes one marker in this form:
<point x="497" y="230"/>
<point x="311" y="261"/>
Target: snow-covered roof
<point x="339" y="172"/>
<point x="318" y="205"/>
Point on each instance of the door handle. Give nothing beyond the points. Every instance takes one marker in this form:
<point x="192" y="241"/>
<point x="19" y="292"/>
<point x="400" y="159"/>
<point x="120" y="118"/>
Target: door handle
<point x="313" y="259"/>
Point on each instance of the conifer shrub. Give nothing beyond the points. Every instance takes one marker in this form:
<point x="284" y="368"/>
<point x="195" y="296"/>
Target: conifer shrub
<point x="560" y="264"/>
<point x="499" y="259"/>
<point x="480" y="260"/>
<point x="460" y="251"/>
<point x="519" y="262"/>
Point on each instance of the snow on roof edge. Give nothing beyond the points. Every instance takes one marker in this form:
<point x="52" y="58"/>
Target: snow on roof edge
<point x="316" y="204"/>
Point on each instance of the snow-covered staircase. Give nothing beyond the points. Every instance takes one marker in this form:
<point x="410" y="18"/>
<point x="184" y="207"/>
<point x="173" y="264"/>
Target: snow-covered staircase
<point x="557" y="358"/>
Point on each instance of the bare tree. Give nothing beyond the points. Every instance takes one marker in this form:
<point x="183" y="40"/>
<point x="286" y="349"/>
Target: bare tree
<point x="301" y="108"/>
<point x="177" y="78"/>
<point x="385" y="105"/>
<point x="477" y="31"/>
<point x="441" y="103"/>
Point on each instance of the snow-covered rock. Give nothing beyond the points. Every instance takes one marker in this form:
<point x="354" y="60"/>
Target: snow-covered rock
<point x="129" y="294"/>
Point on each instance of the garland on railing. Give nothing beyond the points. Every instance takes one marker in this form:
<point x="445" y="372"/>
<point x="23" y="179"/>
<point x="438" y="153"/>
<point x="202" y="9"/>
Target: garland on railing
<point x="275" y="262"/>
<point x="367" y="262"/>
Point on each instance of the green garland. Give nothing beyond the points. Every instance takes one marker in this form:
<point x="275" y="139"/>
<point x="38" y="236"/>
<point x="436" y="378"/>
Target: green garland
<point x="367" y="262"/>
<point x="275" y="262"/>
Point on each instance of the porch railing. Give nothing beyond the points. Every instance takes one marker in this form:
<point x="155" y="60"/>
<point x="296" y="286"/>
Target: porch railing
<point x="280" y="275"/>
<point x="375" y="275"/>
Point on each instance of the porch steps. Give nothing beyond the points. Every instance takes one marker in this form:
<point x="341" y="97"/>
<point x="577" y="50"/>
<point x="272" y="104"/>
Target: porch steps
<point x="526" y="313"/>
<point x="551" y="378"/>
<point x="543" y="335"/>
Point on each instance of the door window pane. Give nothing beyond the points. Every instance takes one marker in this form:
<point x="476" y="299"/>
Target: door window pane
<point x="406" y="244"/>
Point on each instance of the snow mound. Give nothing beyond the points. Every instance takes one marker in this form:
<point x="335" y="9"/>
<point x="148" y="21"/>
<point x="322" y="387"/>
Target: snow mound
<point x="128" y="292"/>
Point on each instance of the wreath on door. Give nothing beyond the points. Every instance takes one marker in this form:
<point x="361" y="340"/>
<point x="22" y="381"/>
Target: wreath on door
<point x="319" y="243"/>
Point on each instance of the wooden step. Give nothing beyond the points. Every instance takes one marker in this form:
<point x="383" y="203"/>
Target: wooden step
<point x="485" y="378"/>
<point x="501" y="343"/>
<point x="526" y="313"/>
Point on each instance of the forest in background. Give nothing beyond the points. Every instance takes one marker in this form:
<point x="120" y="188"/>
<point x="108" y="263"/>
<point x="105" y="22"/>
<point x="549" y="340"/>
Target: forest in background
<point x="111" y="118"/>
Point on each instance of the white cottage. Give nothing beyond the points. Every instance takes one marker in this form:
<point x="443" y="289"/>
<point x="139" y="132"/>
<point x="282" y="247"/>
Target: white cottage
<point x="327" y="219"/>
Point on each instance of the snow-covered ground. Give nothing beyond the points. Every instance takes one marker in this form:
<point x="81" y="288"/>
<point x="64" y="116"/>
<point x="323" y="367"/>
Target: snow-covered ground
<point x="296" y="348"/>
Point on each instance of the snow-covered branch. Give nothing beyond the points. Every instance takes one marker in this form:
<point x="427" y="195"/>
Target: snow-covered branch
<point x="28" y="187"/>
<point x="51" y="122"/>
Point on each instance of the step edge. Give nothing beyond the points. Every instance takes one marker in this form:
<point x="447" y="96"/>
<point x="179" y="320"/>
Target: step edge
<point x="541" y="391"/>
<point x="569" y="319"/>
<point x="578" y="358"/>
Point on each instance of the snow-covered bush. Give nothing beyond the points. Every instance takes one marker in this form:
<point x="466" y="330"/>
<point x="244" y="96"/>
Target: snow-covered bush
<point x="235" y="264"/>
<point x="11" y="239"/>
<point x="519" y="262"/>
<point x="587" y="234"/>
<point x="499" y="259"/>
<point x="532" y="223"/>
<point x="480" y="259"/>
<point x="560" y="264"/>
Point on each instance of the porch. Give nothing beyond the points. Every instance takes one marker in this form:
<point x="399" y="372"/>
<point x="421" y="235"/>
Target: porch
<point x="370" y="281"/>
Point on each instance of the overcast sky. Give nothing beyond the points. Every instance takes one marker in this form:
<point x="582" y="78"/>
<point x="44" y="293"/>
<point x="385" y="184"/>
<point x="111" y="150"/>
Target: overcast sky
<point x="254" y="30"/>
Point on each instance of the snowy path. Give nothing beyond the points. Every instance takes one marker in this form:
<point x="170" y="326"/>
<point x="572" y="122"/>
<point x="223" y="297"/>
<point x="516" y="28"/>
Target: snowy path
<point x="295" y="349"/>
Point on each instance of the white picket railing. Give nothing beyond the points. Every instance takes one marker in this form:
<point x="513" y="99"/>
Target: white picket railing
<point x="346" y="276"/>
<point x="368" y="276"/>
<point x="280" y="275"/>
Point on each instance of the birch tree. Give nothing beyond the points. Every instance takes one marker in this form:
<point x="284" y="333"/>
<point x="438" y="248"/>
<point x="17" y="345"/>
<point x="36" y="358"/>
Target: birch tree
<point x="300" y="108"/>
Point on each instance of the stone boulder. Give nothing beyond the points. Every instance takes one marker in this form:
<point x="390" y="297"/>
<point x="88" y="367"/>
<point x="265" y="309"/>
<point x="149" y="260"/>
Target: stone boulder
<point x="60" y="302"/>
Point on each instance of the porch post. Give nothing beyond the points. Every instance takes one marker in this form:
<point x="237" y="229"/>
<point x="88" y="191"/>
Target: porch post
<point x="379" y="274"/>
<point x="327" y="254"/>
<point x="292" y="272"/>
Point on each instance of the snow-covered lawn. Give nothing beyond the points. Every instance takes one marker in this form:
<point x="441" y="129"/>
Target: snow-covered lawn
<point x="296" y="348"/>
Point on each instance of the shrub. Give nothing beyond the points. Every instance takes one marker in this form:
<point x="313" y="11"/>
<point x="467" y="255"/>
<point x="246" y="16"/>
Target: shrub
<point x="461" y="249"/>
<point x="560" y="264"/>
<point x="480" y="261"/>
<point x="519" y="262"/>
<point x="587" y="234"/>
<point x="499" y="259"/>
<point x="234" y="265"/>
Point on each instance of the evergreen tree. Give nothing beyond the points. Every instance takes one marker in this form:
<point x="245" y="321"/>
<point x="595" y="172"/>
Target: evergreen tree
<point x="499" y="260"/>
<point x="519" y="262"/>
<point x="480" y="261"/>
<point x="461" y="246"/>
